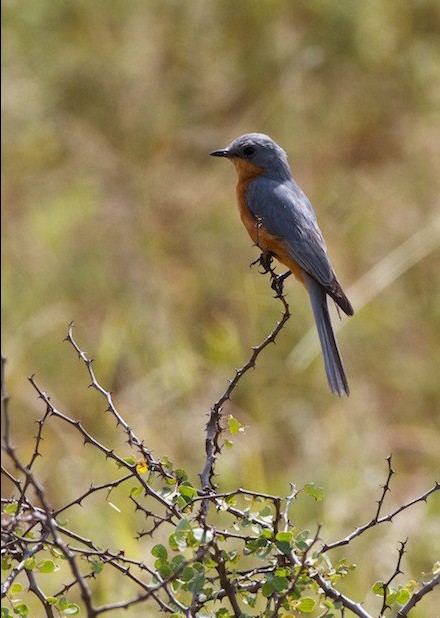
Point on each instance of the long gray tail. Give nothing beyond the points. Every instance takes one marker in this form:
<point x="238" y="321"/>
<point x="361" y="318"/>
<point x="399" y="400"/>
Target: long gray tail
<point x="334" y="367"/>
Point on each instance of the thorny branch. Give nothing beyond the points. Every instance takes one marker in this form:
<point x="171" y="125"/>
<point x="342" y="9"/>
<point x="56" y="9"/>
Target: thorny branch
<point x="213" y="427"/>
<point x="395" y="573"/>
<point x="207" y="547"/>
<point x="378" y="518"/>
<point x="132" y="439"/>
<point x="418" y="595"/>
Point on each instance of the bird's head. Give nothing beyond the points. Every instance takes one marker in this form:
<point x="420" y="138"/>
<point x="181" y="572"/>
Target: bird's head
<point x="258" y="153"/>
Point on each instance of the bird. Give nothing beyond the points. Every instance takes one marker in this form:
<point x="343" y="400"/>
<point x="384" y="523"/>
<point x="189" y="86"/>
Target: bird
<point x="281" y="221"/>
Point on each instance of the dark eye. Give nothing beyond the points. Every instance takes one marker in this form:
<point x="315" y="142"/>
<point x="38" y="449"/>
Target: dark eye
<point x="248" y="151"/>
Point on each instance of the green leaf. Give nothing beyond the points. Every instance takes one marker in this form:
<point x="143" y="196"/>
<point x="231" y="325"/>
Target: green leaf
<point x="51" y="600"/>
<point x="187" y="574"/>
<point x="47" y="566"/>
<point x="199" y="567"/>
<point x="16" y="588"/>
<point x="343" y="566"/>
<point x="266" y="512"/>
<point x="159" y="551"/>
<point x="176" y="562"/>
<point x="223" y="613"/>
<point x="209" y="562"/>
<point x="21" y="609"/>
<point x="183" y="527"/>
<point x="11" y="508"/>
<point x="234" y="426"/>
<point x="402" y="596"/>
<point x="5" y="613"/>
<point x="135" y="491"/>
<point x="165" y="570"/>
<point x="301" y="539"/>
<point x="72" y="609"/>
<point x="172" y="542"/>
<point x="284" y="547"/>
<point x="196" y="583"/>
<point x="284" y="572"/>
<point x="187" y="491"/>
<point x="280" y="583"/>
<point x="306" y="605"/>
<point x="285" y="537"/>
<point x="378" y="588"/>
<point x="166" y="463"/>
<point x="6" y="562"/>
<point x="56" y="553"/>
<point x="267" y="588"/>
<point x="29" y="564"/>
<point x="97" y="566"/>
<point x="131" y="461"/>
<point x="315" y="492"/>
<point x="181" y="475"/>
<point x="177" y="542"/>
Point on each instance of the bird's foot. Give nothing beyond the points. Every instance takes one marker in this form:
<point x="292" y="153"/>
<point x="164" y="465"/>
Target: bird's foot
<point x="277" y="283"/>
<point x="265" y="261"/>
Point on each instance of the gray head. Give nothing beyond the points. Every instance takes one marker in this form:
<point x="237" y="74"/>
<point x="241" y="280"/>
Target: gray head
<point x="259" y="150"/>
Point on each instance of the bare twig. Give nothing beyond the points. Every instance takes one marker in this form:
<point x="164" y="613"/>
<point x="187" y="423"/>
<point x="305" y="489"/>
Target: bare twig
<point x="213" y="427"/>
<point x="392" y="577"/>
<point x="377" y="519"/>
<point x="226" y="583"/>
<point x="19" y="567"/>
<point x="385" y="488"/>
<point x="132" y="439"/>
<point x="35" y="588"/>
<point x="417" y="596"/>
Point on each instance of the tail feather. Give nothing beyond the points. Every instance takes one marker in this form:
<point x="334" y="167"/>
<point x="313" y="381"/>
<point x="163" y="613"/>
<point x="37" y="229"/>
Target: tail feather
<point x="340" y="299"/>
<point x="334" y="367"/>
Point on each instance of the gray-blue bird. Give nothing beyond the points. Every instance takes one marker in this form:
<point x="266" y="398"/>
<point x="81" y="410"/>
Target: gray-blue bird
<point x="280" y="220"/>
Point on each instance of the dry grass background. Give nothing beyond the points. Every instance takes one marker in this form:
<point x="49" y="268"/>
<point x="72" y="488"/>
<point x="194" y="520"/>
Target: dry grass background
<point x="115" y="217"/>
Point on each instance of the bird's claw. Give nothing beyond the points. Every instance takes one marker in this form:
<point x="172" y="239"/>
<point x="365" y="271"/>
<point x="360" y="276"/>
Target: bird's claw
<point x="264" y="260"/>
<point x="277" y="283"/>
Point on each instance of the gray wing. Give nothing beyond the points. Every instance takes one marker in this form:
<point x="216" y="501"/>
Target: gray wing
<point x="285" y="212"/>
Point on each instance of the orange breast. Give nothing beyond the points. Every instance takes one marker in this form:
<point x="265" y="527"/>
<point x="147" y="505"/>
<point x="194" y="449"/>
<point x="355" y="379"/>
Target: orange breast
<point x="246" y="173"/>
<point x="260" y="236"/>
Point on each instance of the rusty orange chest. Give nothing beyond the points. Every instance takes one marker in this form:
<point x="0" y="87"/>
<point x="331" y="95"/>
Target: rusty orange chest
<point x="266" y="241"/>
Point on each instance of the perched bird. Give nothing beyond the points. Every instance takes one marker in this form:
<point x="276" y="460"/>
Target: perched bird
<point x="280" y="220"/>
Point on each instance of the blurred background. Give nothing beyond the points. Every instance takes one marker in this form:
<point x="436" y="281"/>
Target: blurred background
<point x="116" y="217"/>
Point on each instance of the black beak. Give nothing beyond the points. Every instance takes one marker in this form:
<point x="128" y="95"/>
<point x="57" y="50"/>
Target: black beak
<point x="220" y="153"/>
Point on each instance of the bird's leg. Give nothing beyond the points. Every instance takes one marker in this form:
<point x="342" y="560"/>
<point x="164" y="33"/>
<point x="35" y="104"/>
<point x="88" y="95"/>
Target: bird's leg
<point x="265" y="261"/>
